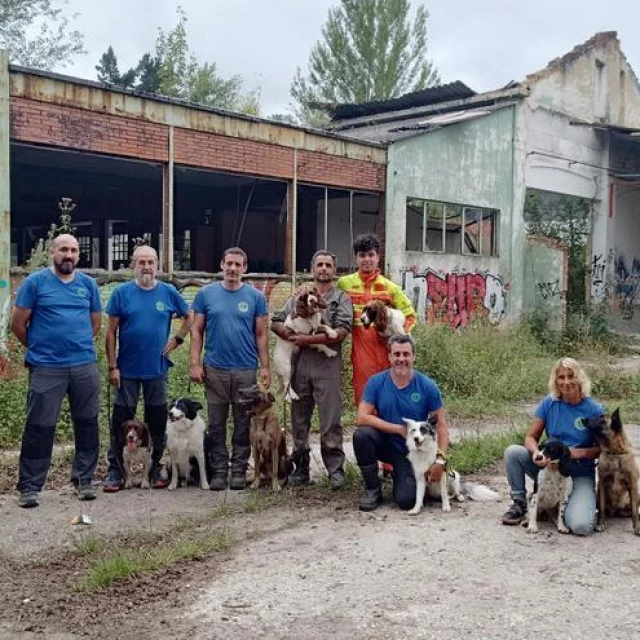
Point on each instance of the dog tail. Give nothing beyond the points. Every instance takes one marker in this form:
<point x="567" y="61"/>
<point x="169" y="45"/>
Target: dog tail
<point x="479" y="492"/>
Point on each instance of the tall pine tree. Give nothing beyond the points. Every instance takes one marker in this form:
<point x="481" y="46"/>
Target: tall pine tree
<point x="370" y="50"/>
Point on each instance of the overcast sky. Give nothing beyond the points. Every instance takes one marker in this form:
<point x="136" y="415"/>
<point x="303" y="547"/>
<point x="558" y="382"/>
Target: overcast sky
<point x="485" y="44"/>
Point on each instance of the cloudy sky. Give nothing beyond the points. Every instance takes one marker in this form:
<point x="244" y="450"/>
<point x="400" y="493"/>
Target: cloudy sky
<point x="485" y="44"/>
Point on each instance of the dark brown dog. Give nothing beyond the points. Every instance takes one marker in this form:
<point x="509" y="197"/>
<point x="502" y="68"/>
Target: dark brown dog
<point x="136" y="454"/>
<point x="618" y="472"/>
<point x="268" y="441"/>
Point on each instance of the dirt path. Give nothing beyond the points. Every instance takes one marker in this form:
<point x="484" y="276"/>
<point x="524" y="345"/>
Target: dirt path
<point x="312" y="566"/>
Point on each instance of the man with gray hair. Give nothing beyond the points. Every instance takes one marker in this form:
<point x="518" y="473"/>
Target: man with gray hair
<point x="316" y="378"/>
<point x="56" y="316"/>
<point x="137" y="346"/>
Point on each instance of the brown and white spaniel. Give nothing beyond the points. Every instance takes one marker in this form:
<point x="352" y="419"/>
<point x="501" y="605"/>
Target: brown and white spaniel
<point x="386" y="320"/>
<point x="304" y="319"/>
<point x="136" y="454"/>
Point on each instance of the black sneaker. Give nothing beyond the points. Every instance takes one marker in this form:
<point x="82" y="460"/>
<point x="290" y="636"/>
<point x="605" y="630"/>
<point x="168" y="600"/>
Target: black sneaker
<point x="238" y="482"/>
<point x="336" y="481"/>
<point x="218" y="482"/>
<point x="516" y="513"/>
<point x="29" y="499"/>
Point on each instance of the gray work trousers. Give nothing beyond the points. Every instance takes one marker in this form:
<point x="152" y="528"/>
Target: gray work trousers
<point x="316" y="379"/>
<point x="222" y="392"/>
<point x="47" y="388"/>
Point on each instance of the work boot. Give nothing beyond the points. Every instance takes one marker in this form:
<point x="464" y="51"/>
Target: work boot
<point x="29" y="499"/>
<point x="372" y="497"/>
<point x="113" y="482"/>
<point x="218" y="482"/>
<point x="516" y="513"/>
<point x="238" y="482"/>
<point x="157" y="478"/>
<point x="336" y="480"/>
<point x="299" y="478"/>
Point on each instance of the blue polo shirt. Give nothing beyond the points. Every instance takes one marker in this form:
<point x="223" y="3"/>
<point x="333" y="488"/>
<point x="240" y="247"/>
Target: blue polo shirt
<point x="144" y="322"/>
<point x="60" y="330"/>
<point x="416" y="401"/>
<point x="230" y="329"/>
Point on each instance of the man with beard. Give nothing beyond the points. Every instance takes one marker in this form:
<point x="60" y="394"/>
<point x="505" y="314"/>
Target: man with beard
<point x="140" y="314"/>
<point x="56" y="316"/>
<point x="316" y="378"/>
<point x="397" y="393"/>
<point x="231" y="320"/>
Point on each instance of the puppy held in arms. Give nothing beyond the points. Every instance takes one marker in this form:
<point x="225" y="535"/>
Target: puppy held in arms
<point x="304" y="319"/>
<point x="423" y="450"/>
<point x="554" y="486"/>
<point x="385" y="320"/>
<point x="136" y="455"/>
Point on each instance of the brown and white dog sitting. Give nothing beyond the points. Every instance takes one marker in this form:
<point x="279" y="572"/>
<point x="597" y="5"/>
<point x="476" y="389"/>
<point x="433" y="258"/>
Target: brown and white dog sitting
<point x="386" y="320"/>
<point x="136" y="454"/>
<point x="268" y="441"/>
<point x="617" y="490"/>
<point x="304" y="319"/>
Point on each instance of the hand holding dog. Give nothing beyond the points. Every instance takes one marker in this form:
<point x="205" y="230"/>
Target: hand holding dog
<point x="434" y="473"/>
<point x="539" y="459"/>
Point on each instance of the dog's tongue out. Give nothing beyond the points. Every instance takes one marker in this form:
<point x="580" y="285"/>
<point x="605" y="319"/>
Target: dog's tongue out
<point x="131" y="444"/>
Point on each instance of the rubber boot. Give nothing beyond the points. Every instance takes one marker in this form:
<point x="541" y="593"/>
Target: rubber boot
<point x="372" y="496"/>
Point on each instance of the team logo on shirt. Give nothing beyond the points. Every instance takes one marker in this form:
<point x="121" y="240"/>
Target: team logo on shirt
<point x="578" y="423"/>
<point x="416" y="397"/>
<point x="243" y="307"/>
<point x="81" y="293"/>
<point x="160" y="305"/>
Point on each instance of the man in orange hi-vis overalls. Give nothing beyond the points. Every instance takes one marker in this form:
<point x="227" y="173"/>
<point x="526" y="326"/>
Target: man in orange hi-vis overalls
<point x="369" y="354"/>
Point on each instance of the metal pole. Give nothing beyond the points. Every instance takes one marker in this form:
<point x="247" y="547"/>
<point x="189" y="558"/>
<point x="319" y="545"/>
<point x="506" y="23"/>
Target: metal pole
<point x="5" y="204"/>
<point x="294" y="221"/>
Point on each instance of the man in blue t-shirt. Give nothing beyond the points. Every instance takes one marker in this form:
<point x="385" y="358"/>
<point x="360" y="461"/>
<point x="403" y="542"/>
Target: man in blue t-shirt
<point x="56" y="315"/>
<point x="399" y="392"/>
<point x="231" y="320"/>
<point x="140" y="314"/>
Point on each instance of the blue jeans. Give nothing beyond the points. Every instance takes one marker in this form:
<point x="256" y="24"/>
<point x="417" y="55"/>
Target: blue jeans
<point x="580" y="514"/>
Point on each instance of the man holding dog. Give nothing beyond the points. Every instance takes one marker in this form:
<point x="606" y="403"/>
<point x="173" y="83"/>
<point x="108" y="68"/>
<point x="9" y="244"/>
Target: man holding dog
<point x="316" y="377"/>
<point x="231" y="320"/>
<point x="56" y="316"/>
<point x="140" y="314"/>
<point x="400" y="392"/>
<point x="369" y="353"/>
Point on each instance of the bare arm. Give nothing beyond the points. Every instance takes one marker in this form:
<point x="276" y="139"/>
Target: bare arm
<point x="96" y="322"/>
<point x="367" y="417"/>
<point x="110" y="338"/>
<point x="442" y="431"/>
<point x="182" y="332"/>
<point x="20" y="322"/>
<point x="262" y="341"/>
<point x="196" y="372"/>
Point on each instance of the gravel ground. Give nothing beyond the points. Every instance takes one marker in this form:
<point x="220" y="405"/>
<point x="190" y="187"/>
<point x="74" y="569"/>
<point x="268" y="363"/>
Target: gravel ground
<point x="312" y="566"/>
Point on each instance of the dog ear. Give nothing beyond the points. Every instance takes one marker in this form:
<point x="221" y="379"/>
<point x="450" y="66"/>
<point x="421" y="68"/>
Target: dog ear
<point x="271" y="397"/>
<point x="616" y="422"/>
<point x="143" y="433"/>
<point x="433" y="419"/>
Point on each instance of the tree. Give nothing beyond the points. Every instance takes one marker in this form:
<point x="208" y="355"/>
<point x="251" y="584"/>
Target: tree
<point x="109" y="72"/>
<point x="174" y="71"/>
<point x="37" y="34"/>
<point x="370" y="50"/>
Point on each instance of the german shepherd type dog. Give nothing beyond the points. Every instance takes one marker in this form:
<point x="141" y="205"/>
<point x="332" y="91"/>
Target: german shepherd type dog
<point x="618" y="473"/>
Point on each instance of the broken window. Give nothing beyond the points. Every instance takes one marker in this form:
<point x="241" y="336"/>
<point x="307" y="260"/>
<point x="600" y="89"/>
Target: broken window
<point x="444" y="227"/>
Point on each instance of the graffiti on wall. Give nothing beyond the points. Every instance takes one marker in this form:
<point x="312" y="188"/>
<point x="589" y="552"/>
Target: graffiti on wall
<point x="626" y="285"/>
<point x="550" y="289"/>
<point x="455" y="297"/>
<point x="598" y="270"/>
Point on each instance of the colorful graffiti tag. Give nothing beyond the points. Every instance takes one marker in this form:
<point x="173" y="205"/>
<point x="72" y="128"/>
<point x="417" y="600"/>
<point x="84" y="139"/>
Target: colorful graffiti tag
<point x="455" y="297"/>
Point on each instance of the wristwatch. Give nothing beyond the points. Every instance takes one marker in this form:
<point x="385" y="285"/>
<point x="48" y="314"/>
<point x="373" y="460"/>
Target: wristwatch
<point x="179" y="340"/>
<point x="441" y="461"/>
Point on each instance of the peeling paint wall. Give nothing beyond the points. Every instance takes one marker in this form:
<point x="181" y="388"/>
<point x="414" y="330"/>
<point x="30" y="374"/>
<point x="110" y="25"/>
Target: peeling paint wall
<point x="470" y="163"/>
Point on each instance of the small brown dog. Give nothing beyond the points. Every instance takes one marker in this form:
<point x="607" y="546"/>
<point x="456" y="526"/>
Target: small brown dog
<point x="136" y="454"/>
<point x="268" y="441"/>
<point x="618" y="472"/>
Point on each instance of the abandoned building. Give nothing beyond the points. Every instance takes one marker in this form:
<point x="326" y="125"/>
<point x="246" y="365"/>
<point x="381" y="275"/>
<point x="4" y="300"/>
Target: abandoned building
<point x="486" y="191"/>
<point x="476" y="197"/>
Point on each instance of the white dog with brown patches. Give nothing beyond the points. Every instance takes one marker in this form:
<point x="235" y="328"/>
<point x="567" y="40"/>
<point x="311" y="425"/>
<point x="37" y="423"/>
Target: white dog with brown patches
<point x="386" y="320"/>
<point x="304" y="319"/>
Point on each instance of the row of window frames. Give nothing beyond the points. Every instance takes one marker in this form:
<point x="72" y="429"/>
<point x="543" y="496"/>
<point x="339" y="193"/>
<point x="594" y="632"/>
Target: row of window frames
<point x="451" y="228"/>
